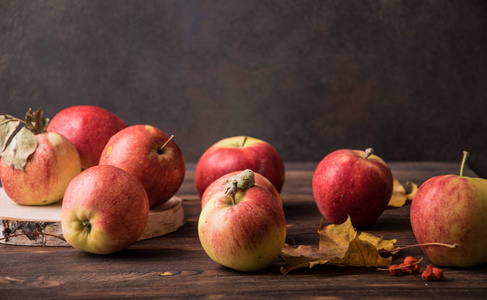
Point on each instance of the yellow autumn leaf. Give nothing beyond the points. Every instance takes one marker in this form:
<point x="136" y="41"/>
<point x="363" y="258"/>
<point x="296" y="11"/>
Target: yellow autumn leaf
<point x="399" y="197"/>
<point x="399" y="194"/>
<point x="339" y="245"/>
<point x="414" y="189"/>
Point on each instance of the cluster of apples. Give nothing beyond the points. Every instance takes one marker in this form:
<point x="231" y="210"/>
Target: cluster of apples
<point x="247" y="233"/>
<point x="108" y="174"/>
<point x="111" y="175"/>
<point x="242" y="223"/>
<point x="446" y="210"/>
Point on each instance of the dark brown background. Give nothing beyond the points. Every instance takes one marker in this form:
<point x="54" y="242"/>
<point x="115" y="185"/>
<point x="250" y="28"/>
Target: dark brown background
<point x="405" y="77"/>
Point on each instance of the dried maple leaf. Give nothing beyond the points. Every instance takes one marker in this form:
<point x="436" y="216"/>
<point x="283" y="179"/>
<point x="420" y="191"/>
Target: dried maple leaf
<point x="400" y="196"/>
<point x="339" y="245"/>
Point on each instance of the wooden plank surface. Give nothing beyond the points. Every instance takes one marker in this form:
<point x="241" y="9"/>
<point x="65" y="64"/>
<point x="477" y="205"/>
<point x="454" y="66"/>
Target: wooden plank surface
<point x="176" y="266"/>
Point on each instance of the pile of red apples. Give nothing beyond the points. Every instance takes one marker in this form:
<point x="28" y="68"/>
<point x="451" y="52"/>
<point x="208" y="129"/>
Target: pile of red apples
<point x="109" y="174"/>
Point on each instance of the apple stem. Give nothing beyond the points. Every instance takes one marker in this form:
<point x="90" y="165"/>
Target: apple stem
<point x="233" y="191"/>
<point x="464" y="161"/>
<point x="368" y="152"/>
<point x="452" y="246"/>
<point x="245" y="140"/>
<point x="160" y="151"/>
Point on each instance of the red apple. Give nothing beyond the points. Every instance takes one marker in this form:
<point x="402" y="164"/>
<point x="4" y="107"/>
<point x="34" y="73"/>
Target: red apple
<point x="105" y="210"/>
<point x="244" y="231"/>
<point x="235" y="154"/>
<point x="452" y="209"/>
<point x="219" y="185"/>
<point x="142" y="151"/>
<point x="89" y="128"/>
<point x="46" y="174"/>
<point x="352" y="182"/>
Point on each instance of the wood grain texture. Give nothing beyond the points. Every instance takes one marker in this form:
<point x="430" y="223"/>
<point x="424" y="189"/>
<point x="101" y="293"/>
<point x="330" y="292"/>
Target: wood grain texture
<point x="175" y="265"/>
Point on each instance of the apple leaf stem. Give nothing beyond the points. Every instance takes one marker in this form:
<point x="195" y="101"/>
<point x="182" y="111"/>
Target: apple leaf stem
<point x="368" y="152"/>
<point x="452" y="246"/>
<point x="9" y="118"/>
<point x="161" y="150"/>
<point x="464" y="161"/>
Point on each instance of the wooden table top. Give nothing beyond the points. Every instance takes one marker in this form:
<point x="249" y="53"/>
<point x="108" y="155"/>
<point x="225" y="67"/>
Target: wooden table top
<point x="176" y="266"/>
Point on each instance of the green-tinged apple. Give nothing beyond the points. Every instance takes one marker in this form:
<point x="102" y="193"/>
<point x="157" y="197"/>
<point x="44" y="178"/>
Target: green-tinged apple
<point x="104" y="210"/>
<point x="36" y="166"/>
<point x="352" y="182"/>
<point x="243" y="227"/>
<point x="236" y="154"/>
<point x="151" y="156"/>
<point x="219" y="185"/>
<point x="452" y="209"/>
<point x="89" y="128"/>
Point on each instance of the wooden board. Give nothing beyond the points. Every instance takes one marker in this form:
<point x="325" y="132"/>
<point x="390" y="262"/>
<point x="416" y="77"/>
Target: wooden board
<point x="16" y="219"/>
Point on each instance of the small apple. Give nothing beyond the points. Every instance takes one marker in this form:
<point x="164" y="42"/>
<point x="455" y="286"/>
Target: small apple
<point x="236" y="154"/>
<point x="89" y="128"/>
<point x="219" y="185"/>
<point x="352" y="182"/>
<point x="452" y="209"/>
<point x="243" y="228"/>
<point x="151" y="156"/>
<point x="36" y="166"/>
<point x="104" y="210"/>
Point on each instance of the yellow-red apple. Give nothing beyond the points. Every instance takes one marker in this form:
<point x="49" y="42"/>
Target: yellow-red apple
<point x="245" y="230"/>
<point x="151" y="156"/>
<point x="239" y="153"/>
<point x="104" y="210"/>
<point x="89" y="128"/>
<point x="46" y="174"/>
<point x="452" y="209"/>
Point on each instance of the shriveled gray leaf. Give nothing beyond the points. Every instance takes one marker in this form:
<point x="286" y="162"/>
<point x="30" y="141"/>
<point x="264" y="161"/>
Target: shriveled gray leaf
<point x="244" y="180"/>
<point x="7" y="128"/>
<point x="18" y="151"/>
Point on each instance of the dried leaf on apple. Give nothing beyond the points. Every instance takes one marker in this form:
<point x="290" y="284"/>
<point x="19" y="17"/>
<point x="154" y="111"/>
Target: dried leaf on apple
<point x="16" y="147"/>
<point x="8" y="125"/>
<point x="19" y="149"/>
<point x="339" y="245"/>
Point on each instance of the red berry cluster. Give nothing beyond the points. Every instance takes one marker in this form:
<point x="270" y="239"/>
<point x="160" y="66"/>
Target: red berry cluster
<point x="410" y="265"/>
<point x="431" y="273"/>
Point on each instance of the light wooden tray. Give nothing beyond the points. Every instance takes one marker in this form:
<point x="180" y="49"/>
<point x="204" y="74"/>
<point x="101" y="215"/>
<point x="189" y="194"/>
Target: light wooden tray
<point x="16" y="219"/>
